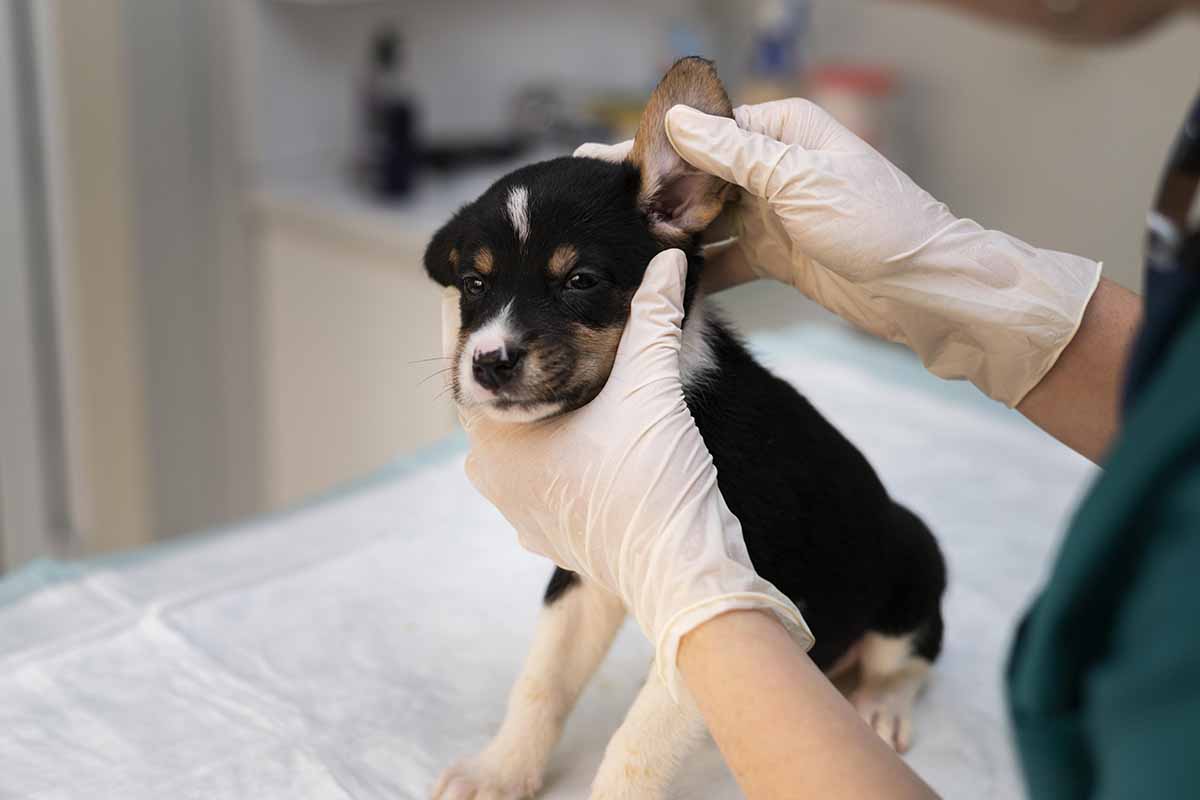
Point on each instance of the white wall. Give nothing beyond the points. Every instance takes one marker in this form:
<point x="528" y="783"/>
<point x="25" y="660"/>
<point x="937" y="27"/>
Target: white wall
<point x="466" y="59"/>
<point x="1056" y="144"/>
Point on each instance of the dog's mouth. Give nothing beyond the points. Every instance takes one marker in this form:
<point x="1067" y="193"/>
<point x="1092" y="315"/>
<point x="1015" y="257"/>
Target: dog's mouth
<point x="542" y="384"/>
<point x="508" y="391"/>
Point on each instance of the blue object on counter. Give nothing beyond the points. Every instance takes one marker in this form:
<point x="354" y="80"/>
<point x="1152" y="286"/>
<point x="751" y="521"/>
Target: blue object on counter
<point x="780" y="38"/>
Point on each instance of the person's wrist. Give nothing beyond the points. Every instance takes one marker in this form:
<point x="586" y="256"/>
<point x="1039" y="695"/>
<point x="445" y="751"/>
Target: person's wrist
<point x="740" y="588"/>
<point x="712" y="632"/>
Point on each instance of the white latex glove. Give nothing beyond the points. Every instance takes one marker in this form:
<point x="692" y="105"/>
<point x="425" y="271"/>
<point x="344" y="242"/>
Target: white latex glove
<point x="825" y="212"/>
<point x="623" y="491"/>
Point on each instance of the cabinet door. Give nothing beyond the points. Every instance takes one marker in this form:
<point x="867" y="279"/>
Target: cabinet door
<point x="351" y="345"/>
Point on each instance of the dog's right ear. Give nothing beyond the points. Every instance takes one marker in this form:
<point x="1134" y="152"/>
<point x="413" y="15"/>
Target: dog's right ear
<point x="442" y="255"/>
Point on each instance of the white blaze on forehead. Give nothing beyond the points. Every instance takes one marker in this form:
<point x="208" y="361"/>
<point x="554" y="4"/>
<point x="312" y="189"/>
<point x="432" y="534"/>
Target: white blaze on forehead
<point x="518" y="212"/>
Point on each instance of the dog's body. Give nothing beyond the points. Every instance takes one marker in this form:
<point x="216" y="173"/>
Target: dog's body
<point x="538" y="340"/>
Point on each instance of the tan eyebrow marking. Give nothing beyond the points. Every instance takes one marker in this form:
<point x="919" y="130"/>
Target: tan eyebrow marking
<point x="562" y="259"/>
<point x="484" y="261"/>
<point x="453" y="258"/>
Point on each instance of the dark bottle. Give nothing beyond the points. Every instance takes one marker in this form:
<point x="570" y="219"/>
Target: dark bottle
<point x="390" y="161"/>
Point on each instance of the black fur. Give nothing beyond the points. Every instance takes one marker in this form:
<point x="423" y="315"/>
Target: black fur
<point x="560" y="581"/>
<point x="817" y="521"/>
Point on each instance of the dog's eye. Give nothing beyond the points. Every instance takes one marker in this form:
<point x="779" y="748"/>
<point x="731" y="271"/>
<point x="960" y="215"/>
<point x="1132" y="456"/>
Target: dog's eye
<point x="581" y="281"/>
<point x="473" y="286"/>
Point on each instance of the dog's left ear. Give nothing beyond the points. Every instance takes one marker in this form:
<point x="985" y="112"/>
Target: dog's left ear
<point x="442" y="254"/>
<point x="679" y="200"/>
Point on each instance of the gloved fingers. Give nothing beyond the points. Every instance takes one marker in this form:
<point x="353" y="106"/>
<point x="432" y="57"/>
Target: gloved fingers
<point x="474" y="422"/>
<point x="540" y="545"/>
<point x="480" y="474"/>
<point x="478" y="470"/>
<point x="655" y="315"/>
<point x="800" y="122"/>
<point x="492" y="478"/>
<point x="719" y="147"/>
<point x="615" y="153"/>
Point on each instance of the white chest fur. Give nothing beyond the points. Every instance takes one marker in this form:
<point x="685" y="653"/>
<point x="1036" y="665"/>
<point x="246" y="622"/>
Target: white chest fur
<point x="696" y="358"/>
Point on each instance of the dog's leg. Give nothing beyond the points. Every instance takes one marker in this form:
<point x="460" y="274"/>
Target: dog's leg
<point x="574" y="632"/>
<point x="906" y="637"/>
<point x="893" y="673"/>
<point x="645" y="754"/>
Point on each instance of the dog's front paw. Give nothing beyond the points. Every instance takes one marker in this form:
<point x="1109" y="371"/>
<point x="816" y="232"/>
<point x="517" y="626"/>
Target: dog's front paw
<point x="628" y="791"/>
<point x="889" y="713"/>
<point x="480" y="779"/>
<point x="628" y="781"/>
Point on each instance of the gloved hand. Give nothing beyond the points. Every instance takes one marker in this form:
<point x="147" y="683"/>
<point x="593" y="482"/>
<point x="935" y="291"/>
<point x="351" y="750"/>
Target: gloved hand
<point x="623" y="491"/>
<point x="825" y="212"/>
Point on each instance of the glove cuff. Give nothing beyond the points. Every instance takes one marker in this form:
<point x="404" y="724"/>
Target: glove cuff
<point x="1093" y="272"/>
<point x="987" y="307"/>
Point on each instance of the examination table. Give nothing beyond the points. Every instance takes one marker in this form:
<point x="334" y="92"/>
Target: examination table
<point x="354" y="647"/>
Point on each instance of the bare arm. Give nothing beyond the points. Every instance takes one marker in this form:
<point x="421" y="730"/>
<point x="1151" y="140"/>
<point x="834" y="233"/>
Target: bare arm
<point x="1078" y="401"/>
<point x="783" y="728"/>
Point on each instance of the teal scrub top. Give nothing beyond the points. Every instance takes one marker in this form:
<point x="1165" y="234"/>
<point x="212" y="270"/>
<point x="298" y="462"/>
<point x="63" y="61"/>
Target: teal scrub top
<point x="1104" y="677"/>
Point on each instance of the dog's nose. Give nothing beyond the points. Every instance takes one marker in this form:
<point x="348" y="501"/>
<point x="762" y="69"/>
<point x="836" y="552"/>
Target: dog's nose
<point x="495" y="368"/>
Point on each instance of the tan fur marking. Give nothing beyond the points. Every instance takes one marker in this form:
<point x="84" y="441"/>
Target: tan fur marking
<point x="690" y="81"/>
<point x="484" y="261"/>
<point x="598" y="348"/>
<point x="562" y="260"/>
<point x="453" y="258"/>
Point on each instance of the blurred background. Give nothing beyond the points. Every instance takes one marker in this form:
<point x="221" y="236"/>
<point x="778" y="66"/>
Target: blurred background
<point x="212" y="212"/>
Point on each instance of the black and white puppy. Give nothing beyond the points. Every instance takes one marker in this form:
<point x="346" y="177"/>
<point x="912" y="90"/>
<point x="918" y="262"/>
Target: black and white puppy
<point x="547" y="261"/>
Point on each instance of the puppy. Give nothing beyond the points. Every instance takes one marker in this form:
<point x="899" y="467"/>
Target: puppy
<point x="547" y="261"/>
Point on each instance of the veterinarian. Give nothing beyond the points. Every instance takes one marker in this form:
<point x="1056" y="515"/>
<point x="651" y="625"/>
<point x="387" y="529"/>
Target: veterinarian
<point x="1104" y="678"/>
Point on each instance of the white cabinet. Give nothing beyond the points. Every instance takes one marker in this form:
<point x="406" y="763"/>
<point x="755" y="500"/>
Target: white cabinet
<point x="350" y="337"/>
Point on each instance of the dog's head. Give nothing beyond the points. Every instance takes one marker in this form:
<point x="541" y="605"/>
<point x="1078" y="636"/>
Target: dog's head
<point x="548" y="259"/>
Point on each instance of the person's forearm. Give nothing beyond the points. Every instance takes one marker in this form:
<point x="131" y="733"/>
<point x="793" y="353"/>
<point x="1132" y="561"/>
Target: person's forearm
<point x="783" y="728"/>
<point x="1078" y="401"/>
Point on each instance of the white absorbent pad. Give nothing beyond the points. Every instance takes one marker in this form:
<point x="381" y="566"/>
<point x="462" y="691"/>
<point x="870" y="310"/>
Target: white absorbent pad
<point x="354" y="648"/>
